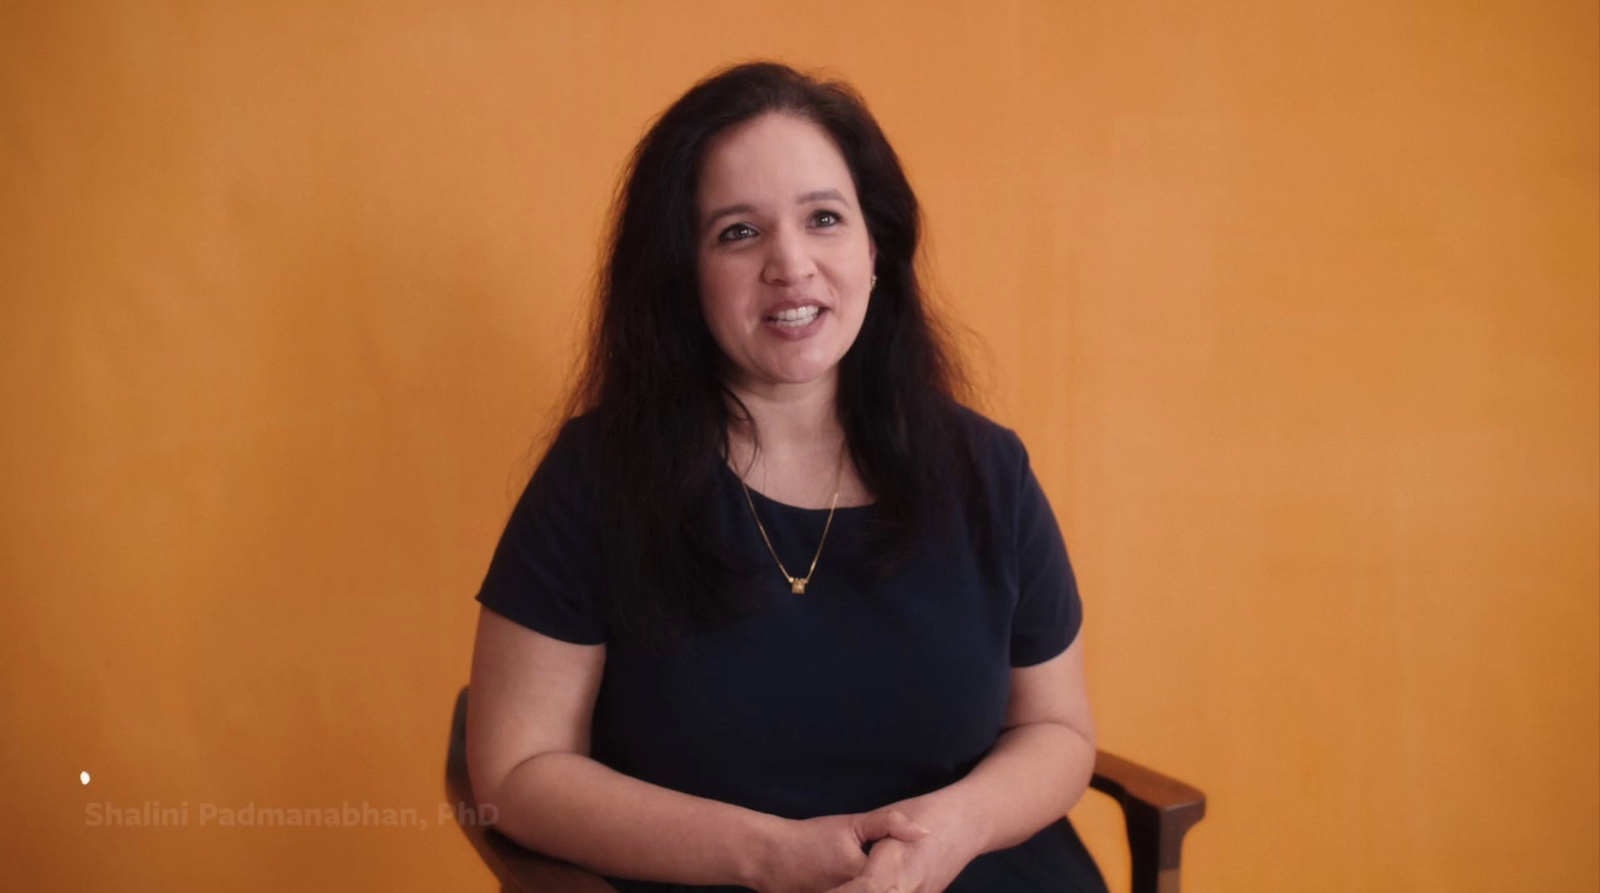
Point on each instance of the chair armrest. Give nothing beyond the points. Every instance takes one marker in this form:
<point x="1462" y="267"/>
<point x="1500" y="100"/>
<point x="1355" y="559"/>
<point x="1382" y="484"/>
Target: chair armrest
<point x="1158" y="811"/>
<point x="519" y="870"/>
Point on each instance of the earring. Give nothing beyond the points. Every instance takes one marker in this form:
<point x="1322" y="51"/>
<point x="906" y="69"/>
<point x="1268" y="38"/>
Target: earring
<point x="874" y="283"/>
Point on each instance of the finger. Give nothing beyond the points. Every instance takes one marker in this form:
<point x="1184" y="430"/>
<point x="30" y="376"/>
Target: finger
<point x="889" y="823"/>
<point x="861" y="884"/>
<point x="883" y="873"/>
<point x="907" y="830"/>
<point x="901" y="826"/>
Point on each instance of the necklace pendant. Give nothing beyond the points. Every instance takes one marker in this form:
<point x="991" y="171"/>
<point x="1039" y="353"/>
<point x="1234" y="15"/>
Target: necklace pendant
<point x="798" y="587"/>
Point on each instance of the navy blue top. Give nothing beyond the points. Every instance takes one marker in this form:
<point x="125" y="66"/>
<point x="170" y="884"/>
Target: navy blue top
<point x="858" y="693"/>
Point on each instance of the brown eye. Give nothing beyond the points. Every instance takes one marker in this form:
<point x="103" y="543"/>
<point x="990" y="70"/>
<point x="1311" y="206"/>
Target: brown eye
<point x="735" y="233"/>
<point x="826" y="218"/>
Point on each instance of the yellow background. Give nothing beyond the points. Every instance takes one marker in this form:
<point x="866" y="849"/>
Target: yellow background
<point x="1295" y="305"/>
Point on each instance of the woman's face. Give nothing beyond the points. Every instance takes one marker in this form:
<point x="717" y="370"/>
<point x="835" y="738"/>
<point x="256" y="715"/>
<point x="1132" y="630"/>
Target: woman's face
<point x="784" y="257"/>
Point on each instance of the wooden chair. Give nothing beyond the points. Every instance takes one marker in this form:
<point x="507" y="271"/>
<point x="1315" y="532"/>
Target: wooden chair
<point x="1158" y="811"/>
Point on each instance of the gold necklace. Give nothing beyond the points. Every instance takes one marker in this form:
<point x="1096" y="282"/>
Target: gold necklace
<point x="797" y="585"/>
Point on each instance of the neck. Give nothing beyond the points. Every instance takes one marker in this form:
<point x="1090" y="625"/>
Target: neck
<point x="789" y="417"/>
<point x="803" y="459"/>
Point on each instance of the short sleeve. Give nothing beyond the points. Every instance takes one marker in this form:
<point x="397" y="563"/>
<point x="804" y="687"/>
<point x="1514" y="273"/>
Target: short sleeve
<point x="1049" y="613"/>
<point x="545" y="569"/>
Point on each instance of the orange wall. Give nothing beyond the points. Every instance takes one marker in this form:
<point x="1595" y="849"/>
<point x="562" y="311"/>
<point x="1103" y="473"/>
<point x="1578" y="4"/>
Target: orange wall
<point x="1295" y="305"/>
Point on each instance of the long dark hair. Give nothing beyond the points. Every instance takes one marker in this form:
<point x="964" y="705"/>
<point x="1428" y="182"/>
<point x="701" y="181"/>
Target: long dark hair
<point x="651" y="384"/>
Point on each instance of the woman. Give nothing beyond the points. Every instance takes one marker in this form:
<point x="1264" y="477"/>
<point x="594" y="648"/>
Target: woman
<point x="776" y="611"/>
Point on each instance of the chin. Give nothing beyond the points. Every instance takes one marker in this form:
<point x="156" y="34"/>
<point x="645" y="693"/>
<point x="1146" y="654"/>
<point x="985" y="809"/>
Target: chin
<point x="802" y="374"/>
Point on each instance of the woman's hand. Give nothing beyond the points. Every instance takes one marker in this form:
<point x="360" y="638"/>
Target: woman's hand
<point x="813" y="855"/>
<point x="926" y="865"/>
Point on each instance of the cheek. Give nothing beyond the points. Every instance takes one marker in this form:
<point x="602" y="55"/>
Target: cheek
<point x="719" y="273"/>
<point x="720" y="299"/>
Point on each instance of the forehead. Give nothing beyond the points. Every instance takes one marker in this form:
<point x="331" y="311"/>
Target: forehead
<point x="774" y="158"/>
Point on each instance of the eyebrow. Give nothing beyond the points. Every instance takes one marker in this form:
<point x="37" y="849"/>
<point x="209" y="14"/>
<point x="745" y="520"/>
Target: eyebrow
<point x="815" y="195"/>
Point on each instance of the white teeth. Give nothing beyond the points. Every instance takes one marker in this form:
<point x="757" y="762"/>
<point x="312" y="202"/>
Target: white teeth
<point x="798" y="317"/>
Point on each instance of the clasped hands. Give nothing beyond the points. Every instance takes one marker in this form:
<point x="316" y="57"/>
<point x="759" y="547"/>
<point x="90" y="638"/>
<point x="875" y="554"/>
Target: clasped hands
<point x="917" y="846"/>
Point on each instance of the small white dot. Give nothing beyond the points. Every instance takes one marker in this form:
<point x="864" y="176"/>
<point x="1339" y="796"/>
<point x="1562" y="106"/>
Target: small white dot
<point x="83" y="777"/>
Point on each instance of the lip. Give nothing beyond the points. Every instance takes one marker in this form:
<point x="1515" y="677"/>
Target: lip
<point x="797" y="333"/>
<point x="791" y="304"/>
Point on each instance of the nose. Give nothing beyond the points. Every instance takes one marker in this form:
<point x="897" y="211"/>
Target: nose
<point x="788" y="261"/>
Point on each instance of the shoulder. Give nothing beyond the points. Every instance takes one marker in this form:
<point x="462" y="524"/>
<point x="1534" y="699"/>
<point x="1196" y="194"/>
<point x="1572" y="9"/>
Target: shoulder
<point x="573" y="444"/>
<point x="998" y="450"/>
<point x="563" y="479"/>
<point x="576" y="435"/>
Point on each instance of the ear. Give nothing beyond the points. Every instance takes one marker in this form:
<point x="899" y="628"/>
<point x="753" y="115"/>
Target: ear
<point x="872" y="252"/>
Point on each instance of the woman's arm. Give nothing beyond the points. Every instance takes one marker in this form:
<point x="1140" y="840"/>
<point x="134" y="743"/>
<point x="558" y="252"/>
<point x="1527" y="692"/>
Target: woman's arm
<point x="528" y="755"/>
<point x="1042" y="762"/>
<point x="1038" y="769"/>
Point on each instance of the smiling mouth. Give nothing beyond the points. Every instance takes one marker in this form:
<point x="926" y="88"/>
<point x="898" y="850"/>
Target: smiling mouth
<point x="796" y="318"/>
